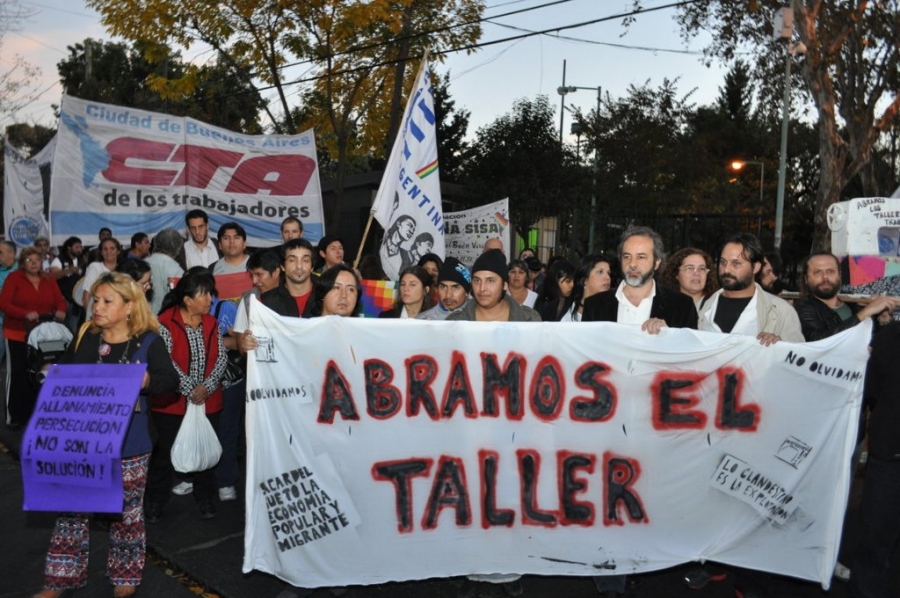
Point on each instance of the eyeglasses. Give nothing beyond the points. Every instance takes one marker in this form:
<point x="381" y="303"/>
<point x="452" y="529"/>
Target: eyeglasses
<point x="697" y="269"/>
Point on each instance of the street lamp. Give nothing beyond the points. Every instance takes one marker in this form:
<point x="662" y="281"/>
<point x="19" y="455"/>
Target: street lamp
<point x="783" y="32"/>
<point x="562" y="91"/>
<point x="738" y="165"/>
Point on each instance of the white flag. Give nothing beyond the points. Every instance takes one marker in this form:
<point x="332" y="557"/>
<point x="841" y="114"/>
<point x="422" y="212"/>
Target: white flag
<point x="23" y="191"/>
<point x="408" y="203"/>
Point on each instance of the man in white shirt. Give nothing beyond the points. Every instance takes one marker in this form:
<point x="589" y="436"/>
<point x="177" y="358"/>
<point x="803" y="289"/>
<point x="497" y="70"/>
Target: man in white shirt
<point x="741" y="306"/>
<point x="638" y="299"/>
<point x="199" y="249"/>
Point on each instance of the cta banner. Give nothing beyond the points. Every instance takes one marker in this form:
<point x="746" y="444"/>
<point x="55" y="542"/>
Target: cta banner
<point x="468" y="230"/>
<point x="137" y="171"/>
<point x="378" y="452"/>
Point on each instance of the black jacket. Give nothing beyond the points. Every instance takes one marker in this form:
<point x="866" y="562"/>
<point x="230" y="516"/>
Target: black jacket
<point x="283" y="303"/>
<point x="393" y="312"/>
<point x="819" y="321"/>
<point x="677" y="309"/>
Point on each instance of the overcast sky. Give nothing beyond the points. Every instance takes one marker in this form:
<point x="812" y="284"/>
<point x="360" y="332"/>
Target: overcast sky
<point x="486" y="82"/>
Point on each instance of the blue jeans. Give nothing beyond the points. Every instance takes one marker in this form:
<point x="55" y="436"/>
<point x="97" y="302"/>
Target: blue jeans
<point x="870" y="575"/>
<point x="230" y="430"/>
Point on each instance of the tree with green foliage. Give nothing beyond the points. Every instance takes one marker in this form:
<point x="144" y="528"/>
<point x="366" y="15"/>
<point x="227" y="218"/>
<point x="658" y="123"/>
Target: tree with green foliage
<point x="660" y="156"/>
<point x="642" y="149"/>
<point x="519" y="156"/>
<point x="452" y="124"/>
<point x="850" y="71"/>
<point x="116" y="74"/>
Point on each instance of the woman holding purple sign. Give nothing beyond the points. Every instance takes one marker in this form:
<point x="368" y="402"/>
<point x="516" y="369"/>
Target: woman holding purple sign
<point x="122" y="330"/>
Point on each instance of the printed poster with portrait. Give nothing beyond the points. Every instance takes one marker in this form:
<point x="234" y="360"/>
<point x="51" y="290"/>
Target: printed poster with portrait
<point x="468" y="230"/>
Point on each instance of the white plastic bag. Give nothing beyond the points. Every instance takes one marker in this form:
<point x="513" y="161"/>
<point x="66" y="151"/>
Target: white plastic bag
<point x="196" y="446"/>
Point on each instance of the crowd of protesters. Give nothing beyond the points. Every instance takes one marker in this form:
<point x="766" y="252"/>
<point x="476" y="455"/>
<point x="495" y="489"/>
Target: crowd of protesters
<point x="158" y="301"/>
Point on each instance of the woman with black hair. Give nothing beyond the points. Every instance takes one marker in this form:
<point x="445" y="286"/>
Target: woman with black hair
<point x="517" y="285"/>
<point x="139" y="271"/>
<point x="556" y="295"/>
<point x="414" y="296"/>
<point x="594" y="275"/>
<point x="338" y="293"/>
<point x="195" y="343"/>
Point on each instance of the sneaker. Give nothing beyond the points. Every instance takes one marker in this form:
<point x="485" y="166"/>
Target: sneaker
<point x="227" y="493"/>
<point x="183" y="488"/>
<point x="842" y="571"/>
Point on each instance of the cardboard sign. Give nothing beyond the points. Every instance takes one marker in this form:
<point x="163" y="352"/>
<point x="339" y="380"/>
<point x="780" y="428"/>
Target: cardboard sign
<point x="72" y="448"/>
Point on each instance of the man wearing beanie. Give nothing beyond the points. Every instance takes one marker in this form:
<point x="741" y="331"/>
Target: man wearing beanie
<point x="492" y="303"/>
<point x="454" y="284"/>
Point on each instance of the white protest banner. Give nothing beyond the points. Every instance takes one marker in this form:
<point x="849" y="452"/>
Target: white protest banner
<point x="408" y="202"/>
<point x="467" y="231"/>
<point x="137" y="171"/>
<point x="23" y="193"/>
<point x="383" y="450"/>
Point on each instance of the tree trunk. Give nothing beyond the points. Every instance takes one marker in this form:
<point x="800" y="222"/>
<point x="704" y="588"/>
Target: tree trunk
<point x="831" y="182"/>
<point x="870" y="185"/>
<point x="397" y="92"/>
<point x="332" y="226"/>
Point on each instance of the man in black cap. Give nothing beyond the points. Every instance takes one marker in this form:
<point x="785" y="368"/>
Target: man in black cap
<point x="454" y="284"/>
<point x="492" y="304"/>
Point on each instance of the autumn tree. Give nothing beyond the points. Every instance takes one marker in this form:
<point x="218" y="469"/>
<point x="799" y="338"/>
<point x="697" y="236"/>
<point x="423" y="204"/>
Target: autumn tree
<point x="357" y="54"/>
<point x="850" y="71"/>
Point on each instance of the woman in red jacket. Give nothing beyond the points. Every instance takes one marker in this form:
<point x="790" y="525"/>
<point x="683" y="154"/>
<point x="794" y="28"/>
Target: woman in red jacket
<point x="195" y="344"/>
<point x="27" y="296"/>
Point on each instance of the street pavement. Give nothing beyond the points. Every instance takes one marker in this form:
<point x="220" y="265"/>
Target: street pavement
<point x="189" y="557"/>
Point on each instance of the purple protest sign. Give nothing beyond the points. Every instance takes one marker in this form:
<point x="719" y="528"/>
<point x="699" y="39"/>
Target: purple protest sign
<point x="72" y="448"/>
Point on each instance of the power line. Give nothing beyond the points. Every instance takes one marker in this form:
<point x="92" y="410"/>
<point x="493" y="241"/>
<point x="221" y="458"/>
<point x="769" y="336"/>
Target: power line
<point x="489" y="42"/>
<point x="57" y="9"/>
<point x="599" y="43"/>
<point x="413" y="36"/>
